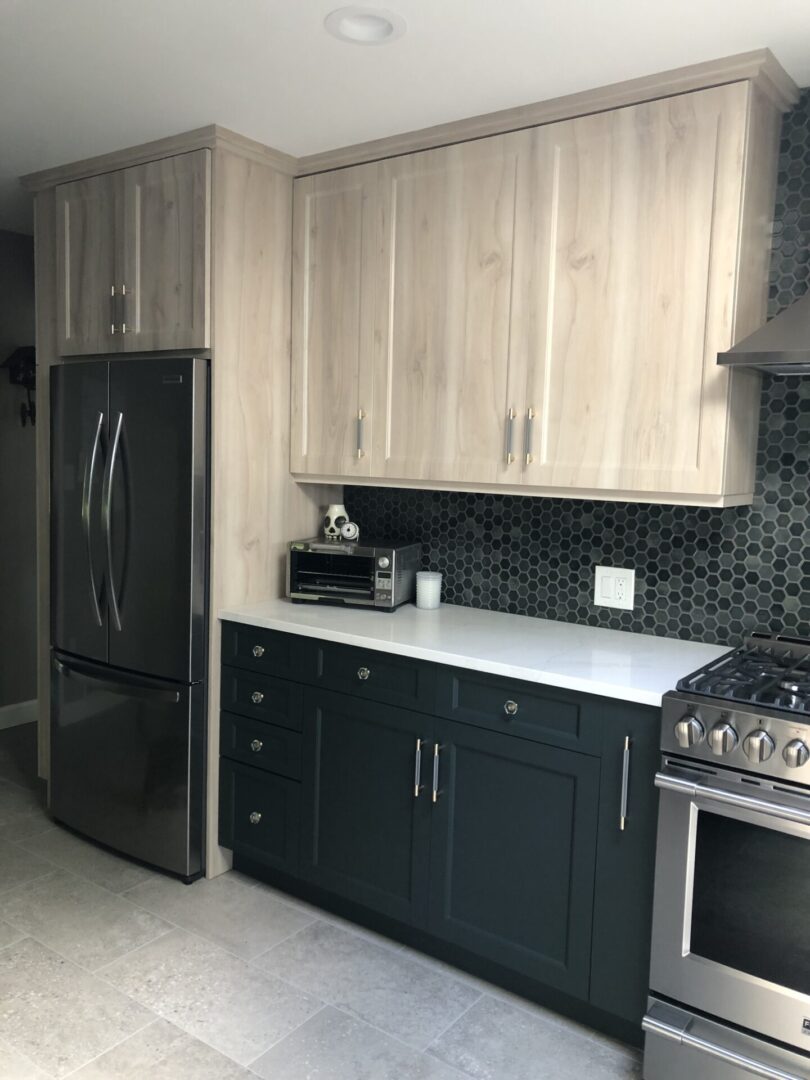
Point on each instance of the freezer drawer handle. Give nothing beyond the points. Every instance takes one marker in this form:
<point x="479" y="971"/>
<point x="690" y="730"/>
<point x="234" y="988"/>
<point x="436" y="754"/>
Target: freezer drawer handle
<point x="75" y="670"/>
<point x="87" y="512"/>
<point x="106" y="513"/>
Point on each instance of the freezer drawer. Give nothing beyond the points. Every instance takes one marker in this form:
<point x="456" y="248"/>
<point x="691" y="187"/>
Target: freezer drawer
<point x="127" y="762"/>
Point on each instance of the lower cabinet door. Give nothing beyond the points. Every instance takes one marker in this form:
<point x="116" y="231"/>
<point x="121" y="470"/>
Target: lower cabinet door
<point x="513" y="852"/>
<point x="259" y="815"/>
<point x="366" y="813"/>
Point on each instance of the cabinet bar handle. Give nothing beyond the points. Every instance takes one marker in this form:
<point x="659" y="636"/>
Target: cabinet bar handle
<point x="625" y="782"/>
<point x="510" y="436"/>
<point x="361" y="452"/>
<point x="530" y="415"/>
<point x="417" y="770"/>
<point x="435" y="793"/>
<point x="112" y="310"/>
<point x="123" y="309"/>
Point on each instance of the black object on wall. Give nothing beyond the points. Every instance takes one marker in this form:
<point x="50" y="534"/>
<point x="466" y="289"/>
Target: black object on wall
<point x="22" y="371"/>
<point x="708" y="575"/>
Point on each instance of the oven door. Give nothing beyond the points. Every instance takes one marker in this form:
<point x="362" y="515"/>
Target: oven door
<point x="731" y="918"/>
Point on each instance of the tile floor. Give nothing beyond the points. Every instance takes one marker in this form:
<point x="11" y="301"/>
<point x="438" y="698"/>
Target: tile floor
<point x="111" y="972"/>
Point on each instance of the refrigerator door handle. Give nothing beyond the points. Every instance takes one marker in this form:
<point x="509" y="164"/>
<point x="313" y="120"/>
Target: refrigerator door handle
<point x="87" y="510"/>
<point x="120" y="684"/>
<point x="106" y="516"/>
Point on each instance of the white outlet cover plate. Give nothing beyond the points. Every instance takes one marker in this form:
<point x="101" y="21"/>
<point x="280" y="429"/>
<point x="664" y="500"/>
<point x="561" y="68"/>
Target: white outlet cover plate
<point x="614" y="587"/>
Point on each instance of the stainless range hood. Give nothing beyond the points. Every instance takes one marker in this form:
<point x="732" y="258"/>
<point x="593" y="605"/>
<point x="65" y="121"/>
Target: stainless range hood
<point x="781" y="346"/>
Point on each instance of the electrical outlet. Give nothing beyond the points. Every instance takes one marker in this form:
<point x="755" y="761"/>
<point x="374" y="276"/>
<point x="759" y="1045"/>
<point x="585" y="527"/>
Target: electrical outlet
<point x="614" y="587"/>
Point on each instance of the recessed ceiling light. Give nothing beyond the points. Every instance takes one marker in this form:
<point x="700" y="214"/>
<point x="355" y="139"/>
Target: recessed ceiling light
<point x="364" y="25"/>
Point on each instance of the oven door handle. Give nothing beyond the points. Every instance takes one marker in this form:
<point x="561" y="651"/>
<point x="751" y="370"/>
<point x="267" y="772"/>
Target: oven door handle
<point x="773" y="806"/>
<point x="655" y="1026"/>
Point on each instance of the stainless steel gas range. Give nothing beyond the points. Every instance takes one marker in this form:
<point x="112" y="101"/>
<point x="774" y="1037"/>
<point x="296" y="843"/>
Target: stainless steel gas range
<point x="730" y="967"/>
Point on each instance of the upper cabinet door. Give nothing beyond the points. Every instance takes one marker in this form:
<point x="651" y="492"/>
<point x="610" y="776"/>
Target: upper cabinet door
<point x="441" y="371"/>
<point x="332" y="327"/>
<point x="626" y="267"/>
<point x="166" y="246"/>
<point x="88" y="311"/>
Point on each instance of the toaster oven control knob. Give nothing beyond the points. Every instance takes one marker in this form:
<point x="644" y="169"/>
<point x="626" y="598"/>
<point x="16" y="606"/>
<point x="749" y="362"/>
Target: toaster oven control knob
<point x="689" y="731"/>
<point x="383" y="562"/>
<point x="759" y="746"/>
<point x="796" y="754"/>
<point x="722" y="739"/>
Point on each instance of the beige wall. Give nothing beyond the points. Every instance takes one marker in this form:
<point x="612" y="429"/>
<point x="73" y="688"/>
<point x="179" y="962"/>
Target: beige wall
<point x="17" y="481"/>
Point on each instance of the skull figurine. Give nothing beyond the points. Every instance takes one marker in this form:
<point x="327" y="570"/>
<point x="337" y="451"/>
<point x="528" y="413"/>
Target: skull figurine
<point x="336" y="517"/>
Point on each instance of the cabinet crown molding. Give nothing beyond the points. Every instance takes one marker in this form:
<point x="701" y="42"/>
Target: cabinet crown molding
<point x="759" y="67"/>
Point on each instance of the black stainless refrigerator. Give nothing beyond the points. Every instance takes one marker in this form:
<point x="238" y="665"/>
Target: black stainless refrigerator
<point x="129" y="544"/>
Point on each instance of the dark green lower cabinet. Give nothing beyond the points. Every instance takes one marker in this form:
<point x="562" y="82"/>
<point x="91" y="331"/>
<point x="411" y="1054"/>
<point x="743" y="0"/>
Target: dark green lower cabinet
<point x="513" y="851"/>
<point x="366" y="834"/>
<point x="259" y="815"/>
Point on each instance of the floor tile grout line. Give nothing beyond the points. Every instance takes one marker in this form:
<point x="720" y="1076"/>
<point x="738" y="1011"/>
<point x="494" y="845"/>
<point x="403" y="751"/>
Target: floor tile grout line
<point x="28" y="1059"/>
<point x="457" y="1020"/>
<point x="155" y="1018"/>
<point x="422" y="1051"/>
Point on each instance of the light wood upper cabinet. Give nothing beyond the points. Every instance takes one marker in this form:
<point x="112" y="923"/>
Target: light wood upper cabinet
<point x="444" y="274"/>
<point x="167" y="240"/>
<point x="86" y="221"/>
<point x="133" y="258"/>
<point x="627" y="266"/>
<point x="332" y="333"/>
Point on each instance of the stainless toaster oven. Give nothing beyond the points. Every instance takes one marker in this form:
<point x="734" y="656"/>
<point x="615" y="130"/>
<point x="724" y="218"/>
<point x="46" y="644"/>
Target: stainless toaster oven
<point x="381" y="576"/>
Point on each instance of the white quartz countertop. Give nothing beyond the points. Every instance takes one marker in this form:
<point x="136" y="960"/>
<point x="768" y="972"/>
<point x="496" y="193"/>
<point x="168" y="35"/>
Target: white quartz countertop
<point x="612" y="663"/>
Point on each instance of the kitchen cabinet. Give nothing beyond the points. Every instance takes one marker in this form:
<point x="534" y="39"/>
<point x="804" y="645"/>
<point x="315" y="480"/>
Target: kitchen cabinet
<point x="133" y="258"/>
<point x="365" y="826"/>
<point x="520" y="838"/>
<point x="332" y="322"/>
<point x="513" y="848"/>
<point x="544" y="308"/>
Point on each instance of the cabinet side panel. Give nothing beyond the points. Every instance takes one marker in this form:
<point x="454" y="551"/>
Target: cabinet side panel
<point x="756" y="226"/>
<point x="45" y="289"/>
<point x="256" y="507"/>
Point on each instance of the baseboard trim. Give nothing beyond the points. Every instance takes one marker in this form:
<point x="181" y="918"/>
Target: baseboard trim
<point x="23" y="712"/>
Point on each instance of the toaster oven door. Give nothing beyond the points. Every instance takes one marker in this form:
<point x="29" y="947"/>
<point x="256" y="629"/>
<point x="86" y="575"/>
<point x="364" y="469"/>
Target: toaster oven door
<point x="338" y="577"/>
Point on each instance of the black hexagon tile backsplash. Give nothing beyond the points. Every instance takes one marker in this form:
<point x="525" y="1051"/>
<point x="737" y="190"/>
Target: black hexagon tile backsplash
<point x="708" y="575"/>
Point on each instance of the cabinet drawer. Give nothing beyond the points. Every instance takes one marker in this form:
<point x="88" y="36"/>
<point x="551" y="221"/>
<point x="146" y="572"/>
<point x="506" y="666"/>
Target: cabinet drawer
<point x="263" y="698"/>
<point x="376" y="676"/>
<point x="546" y="715"/>
<point x="259" y="815"/>
<point x="265" y="746"/>
<point x="271" y="652"/>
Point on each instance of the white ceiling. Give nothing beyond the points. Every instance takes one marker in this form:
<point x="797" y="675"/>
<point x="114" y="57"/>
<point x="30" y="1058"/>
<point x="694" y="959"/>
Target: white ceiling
<point x="83" y="77"/>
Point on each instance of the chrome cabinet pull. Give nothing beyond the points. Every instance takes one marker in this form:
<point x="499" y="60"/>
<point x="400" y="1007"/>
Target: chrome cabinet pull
<point x="361" y="450"/>
<point x="113" y="327"/>
<point x="257" y="697"/>
<point x="363" y="674"/>
<point x="417" y="770"/>
<point x="625" y="783"/>
<point x="123" y="309"/>
<point x="530" y="415"/>
<point x="256" y="745"/>
<point x="258" y="651"/>
<point x="510" y="708"/>
<point x="435" y="792"/>
<point x="106" y="516"/>
<point x="87" y="510"/>
<point x="510" y="436"/>
<point x="255" y="817"/>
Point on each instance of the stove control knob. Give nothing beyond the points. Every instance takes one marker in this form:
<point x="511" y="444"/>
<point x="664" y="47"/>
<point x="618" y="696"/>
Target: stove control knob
<point x="383" y="562"/>
<point x="758" y="746"/>
<point x="796" y="754"/>
<point x="689" y="731"/>
<point x="722" y="739"/>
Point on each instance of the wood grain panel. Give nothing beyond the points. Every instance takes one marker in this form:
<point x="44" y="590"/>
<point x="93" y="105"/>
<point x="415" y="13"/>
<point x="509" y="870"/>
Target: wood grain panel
<point x="166" y="253"/>
<point x="638" y="290"/>
<point x="443" y="314"/>
<point x="256" y="507"/>
<point x="333" y="310"/>
<point x="85" y="232"/>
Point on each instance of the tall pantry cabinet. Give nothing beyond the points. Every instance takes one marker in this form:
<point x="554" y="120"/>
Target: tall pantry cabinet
<point x="183" y="245"/>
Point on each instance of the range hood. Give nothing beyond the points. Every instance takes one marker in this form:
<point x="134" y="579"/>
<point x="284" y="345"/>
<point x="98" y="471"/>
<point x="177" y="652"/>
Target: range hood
<point x="781" y="346"/>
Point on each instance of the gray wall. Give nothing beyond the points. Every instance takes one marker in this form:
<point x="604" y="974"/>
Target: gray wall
<point x="18" y="568"/>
